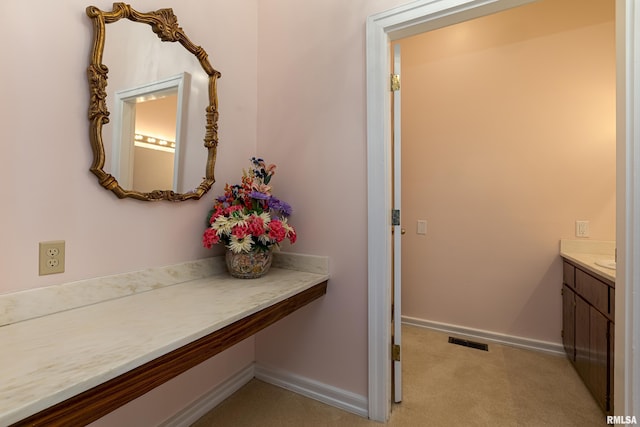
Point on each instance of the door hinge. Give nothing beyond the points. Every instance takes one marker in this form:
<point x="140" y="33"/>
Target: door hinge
<point x="395" y="353"/>
<point x="395" y="82"/>
<point x="395" y="217"/>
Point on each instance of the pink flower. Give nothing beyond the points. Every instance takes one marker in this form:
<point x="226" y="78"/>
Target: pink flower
<point x="248" y="215"/>
<point x="277" y="231"/>
<point x="261" y="188"/>
<point x="256" y="226"/>
<point x="219" y="211"/>
<point x="240" y="232"/>
<point x="210" y="238"/>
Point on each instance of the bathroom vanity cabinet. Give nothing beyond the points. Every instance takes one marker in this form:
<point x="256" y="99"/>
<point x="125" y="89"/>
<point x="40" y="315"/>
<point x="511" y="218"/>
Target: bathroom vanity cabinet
<point x="588" y="329"/>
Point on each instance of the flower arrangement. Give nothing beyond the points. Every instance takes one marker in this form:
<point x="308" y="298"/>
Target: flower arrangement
<point x="248" y="216"/>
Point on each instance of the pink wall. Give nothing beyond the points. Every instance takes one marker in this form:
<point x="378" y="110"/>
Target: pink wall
<point x="166" y="400"/>
<point x="47" y="190"/>
<point x="293" y="86"/>
<point x="308" y="117"/>
<point x="312" y="122"/>
<point x="508" y="138"/>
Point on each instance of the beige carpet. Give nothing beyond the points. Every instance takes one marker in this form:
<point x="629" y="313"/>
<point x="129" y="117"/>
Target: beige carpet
<point x="444" y="385"/>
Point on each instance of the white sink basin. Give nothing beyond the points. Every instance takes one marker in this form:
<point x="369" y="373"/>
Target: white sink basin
<point x="607" y="263"/>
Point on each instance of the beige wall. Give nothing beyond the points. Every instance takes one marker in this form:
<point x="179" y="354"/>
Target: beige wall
<point x="153" y="169"/>
<point x="157" y="117"/>
<point x="508" y="137"/>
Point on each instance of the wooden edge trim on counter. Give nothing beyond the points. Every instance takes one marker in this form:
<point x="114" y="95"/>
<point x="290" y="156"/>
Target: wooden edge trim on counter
<point x="98" y="401"/>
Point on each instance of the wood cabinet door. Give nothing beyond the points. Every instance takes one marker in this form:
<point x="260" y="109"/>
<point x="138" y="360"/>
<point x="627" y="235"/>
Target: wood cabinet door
<point x="568" y="274"/>
<point x="587" y="331"/>
<point x="598" y="360"/>
<point x="611" y="358"/>
<point x="582" y="337"/>
<point x="569" y="322"/>
<point x="593" y="290"/>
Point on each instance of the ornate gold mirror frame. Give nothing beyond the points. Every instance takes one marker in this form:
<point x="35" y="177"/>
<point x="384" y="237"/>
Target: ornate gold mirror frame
<point x="165" y="25"/>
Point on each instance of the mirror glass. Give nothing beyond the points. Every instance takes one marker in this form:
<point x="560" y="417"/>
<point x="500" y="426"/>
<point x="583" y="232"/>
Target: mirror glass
<point x="157" y="112"/>
<point x="148" y="135"/>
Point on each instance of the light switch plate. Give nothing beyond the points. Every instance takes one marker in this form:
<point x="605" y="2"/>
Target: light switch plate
<point x="582" y="228"/>
<point x="422" y="226"/>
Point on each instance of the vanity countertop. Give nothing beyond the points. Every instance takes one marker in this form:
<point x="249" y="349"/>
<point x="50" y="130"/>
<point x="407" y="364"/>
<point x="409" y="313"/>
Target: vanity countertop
<point x="48" y="359"/>
<point x="586" y="253"/>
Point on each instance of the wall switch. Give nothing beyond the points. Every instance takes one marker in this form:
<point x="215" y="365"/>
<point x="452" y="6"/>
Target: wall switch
<point x="51" y="257"/>
<point x="582" y="228"/>
<point x="422" y="227"/>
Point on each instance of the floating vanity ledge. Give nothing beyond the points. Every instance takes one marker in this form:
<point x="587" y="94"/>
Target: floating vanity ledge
<point x="69" y="340"/>
<point x="586" y="254"/>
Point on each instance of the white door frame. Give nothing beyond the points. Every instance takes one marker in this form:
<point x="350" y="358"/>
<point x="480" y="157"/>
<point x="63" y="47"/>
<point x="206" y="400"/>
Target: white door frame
<point x="397" y="230"/>
<point x="425" y="15"/>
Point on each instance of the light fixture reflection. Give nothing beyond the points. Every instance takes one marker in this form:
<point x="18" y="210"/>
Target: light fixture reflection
<point x="153" y="143"/>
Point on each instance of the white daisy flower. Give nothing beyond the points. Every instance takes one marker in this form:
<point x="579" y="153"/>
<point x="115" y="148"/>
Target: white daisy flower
<point x="222" y="225"/>
<point x="264" y="239"/>
<point x="238" y="219"/>
<point x="266" y="218"/>
<point x="240" y="245"/>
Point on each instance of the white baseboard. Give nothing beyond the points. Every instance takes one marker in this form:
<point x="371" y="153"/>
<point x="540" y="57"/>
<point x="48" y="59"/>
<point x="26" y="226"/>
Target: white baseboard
<point x="324" y="393"/>
<point x="333" y="396"/>
<point x="345" y="400"/>
<point x="525" y="343"/>
<point x="211" y="399"/>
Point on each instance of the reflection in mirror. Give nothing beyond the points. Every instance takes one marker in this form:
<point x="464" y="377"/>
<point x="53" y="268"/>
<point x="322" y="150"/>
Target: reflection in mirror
<point x="157" y="92"/>
<point x="154" y="141"/>
<point x="148" y="135"/>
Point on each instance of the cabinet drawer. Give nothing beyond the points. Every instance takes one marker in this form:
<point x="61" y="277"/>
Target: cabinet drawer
<point x="568" y="274"/>
<point x="593" y="290"/>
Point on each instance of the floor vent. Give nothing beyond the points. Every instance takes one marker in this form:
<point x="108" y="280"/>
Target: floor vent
<point x="467" y="343"/>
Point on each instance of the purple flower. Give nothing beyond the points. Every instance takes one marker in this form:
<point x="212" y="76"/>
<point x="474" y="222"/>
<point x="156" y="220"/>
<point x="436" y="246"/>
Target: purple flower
<point x="258" y="195"/>
<point x="280" y="206"/>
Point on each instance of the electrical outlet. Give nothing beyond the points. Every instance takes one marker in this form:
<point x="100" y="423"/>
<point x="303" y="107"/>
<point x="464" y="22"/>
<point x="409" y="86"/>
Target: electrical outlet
<point x="582" y="228"/>
<point x="51" y="257"/>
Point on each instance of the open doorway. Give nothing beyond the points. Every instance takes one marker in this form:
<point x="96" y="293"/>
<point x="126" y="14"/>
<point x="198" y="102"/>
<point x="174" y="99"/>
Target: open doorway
<point x="506" y="119"/>
<point x="423" y="16"/>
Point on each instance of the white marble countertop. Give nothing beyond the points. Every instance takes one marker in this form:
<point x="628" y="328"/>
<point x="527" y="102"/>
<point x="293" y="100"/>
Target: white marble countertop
<point x="586" y="253"/>
<point x="45" y="360"/>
